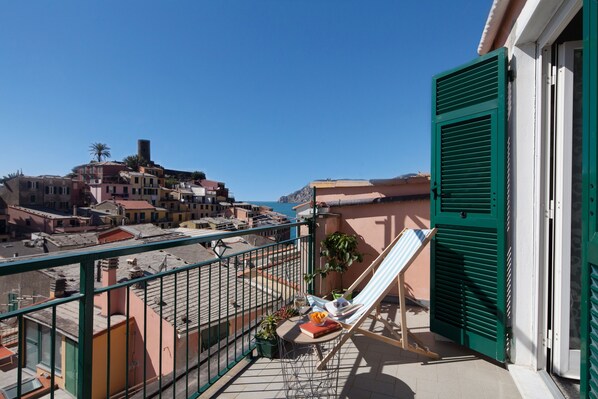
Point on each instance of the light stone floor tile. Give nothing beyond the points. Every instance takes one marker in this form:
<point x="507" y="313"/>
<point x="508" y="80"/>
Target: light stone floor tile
<point x="381" y="396"/>
<point x="369" y="369"/>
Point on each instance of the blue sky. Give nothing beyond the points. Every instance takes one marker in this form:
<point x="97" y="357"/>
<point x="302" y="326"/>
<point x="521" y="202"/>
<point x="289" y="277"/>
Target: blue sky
<point x="265" y="95"/>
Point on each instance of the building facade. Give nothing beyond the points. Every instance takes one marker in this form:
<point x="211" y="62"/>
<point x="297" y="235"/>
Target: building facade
<point x="51" y="192"/>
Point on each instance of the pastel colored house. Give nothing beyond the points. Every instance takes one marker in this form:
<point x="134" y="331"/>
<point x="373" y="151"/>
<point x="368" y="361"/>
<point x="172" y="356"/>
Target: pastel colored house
<point x="52" y="192"/>
<point x="143" y="186"/>
<point x="104" y="191"/>
<point x="376" y="211"/>
<point x="134" y="211"/>
<point x="98" y="172"/>
<point x="27" y="220"/>
<point x="38" y="353"/>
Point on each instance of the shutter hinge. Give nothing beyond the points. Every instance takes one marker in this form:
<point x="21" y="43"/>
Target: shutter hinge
<point x="548" y="339"/>
<point x="511" y="75"/>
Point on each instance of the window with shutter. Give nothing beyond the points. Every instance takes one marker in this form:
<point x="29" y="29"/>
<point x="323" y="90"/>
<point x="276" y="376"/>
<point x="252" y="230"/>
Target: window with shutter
<point x="468" y="205"/>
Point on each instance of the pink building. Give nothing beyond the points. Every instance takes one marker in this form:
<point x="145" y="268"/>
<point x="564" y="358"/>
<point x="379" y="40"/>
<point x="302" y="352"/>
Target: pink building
<point x="28" y="220"/>
<point x="377" y="211"/>
<point x="105" y="191"/>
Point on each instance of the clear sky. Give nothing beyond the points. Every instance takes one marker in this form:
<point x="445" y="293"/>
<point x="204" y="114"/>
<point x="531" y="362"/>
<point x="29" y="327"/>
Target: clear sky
<point x="265" y="95"/>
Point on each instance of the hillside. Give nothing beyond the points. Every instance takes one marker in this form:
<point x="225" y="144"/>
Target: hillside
<point x="300" y="196"/>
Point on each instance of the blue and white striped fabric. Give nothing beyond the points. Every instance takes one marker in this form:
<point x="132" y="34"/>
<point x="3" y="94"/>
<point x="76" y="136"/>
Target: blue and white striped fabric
<point x="386" y="273"/>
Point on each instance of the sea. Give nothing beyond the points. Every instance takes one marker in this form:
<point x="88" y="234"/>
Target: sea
<point x="285" y="208"/>
<point x="280" y="207"/>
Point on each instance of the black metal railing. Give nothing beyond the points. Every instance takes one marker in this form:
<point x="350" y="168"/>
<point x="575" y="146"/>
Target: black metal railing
<point x="165" y="318"/>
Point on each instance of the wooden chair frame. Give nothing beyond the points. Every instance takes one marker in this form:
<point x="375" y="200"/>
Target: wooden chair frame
<point x="401" y="337"/>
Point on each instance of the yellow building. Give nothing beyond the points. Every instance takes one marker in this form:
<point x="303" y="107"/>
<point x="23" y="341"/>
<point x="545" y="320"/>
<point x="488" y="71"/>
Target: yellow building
<point x="38" y="357"/>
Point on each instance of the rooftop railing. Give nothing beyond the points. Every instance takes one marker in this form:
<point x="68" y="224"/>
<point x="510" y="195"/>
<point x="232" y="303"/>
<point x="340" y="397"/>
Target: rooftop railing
<point x="167" y="326"/>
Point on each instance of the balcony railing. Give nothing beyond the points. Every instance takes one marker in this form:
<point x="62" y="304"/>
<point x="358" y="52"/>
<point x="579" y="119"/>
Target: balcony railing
<point x="174" y="329"/>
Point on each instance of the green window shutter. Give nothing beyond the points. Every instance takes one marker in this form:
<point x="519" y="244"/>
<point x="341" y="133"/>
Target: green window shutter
<point x="468" y="205"/>
<point x="589" y="319"/>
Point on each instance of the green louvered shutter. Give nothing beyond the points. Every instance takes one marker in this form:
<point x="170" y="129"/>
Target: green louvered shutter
<point x="589" y="320"/>
<point x="468" y="205"/>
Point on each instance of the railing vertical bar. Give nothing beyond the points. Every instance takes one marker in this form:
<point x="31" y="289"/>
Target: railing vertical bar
<point x="187" y="316"/>
<point x="219" y="311"/>
<point x="85" y="347"/>
<point x="278" y="275"/>
<point x="145" y="283"/>
<point x="235" y="329"/>
<point x="160" y="334"/>
<point x="174" y="339"/>
<point x="199" y="337"/>
<point x="21" y="357"/>
<point x="243" y="307"/>
<point x="312" y="245"/>
<point x="228" y="298"/>
<point x="127" y="337"/>
<point x="209" y="323"/>
<point x="276" y="256"/>
<point x="262" y="282"/>
<point x="53" y="353"/>
<point x="250" y="310"/>
<point x="108" y="320"/>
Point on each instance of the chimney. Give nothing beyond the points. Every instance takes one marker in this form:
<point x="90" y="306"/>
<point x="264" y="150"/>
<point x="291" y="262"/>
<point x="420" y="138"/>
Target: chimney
<point x="58" y="288"/>
<point x="109" y="268"/>
<point x="136" y="272"/>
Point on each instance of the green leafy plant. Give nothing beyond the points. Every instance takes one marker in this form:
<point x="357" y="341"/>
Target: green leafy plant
<point x="286" y="312"/>
<point x="340" y="251"/>
<point x="267" y="329"/>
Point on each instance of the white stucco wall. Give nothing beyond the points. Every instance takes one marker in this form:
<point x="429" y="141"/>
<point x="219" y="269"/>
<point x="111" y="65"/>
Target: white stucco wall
<point x="539" y="22"/>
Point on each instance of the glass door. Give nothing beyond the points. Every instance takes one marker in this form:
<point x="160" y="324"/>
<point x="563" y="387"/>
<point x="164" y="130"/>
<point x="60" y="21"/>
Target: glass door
<point x="567" y="212"/>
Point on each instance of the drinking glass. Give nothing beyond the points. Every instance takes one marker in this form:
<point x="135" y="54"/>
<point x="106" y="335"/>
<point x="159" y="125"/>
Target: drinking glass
<point x="300" y="302"/>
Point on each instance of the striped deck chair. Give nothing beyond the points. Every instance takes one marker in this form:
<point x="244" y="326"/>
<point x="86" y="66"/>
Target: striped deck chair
<point x="387" y="268"/>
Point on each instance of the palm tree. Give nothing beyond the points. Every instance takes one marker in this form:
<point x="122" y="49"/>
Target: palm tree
<point x="5" y="178"/>
<point x="99" y="151"/>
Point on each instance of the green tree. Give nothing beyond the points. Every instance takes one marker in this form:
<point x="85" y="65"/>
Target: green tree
<point x="198" y="175"/>
<point x="134" y="161"/>
<point x="99" y="151"/>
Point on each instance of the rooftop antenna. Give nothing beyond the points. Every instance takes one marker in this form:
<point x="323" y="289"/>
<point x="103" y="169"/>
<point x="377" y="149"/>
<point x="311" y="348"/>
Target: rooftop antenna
<point x="163" y="265"/>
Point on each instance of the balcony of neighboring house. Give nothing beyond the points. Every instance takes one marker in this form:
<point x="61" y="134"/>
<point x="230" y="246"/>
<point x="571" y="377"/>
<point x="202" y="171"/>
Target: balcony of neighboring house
<point x="178" y="319"/>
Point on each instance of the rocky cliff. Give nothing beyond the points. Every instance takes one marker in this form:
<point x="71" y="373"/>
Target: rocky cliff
<point x="300" y="196"/>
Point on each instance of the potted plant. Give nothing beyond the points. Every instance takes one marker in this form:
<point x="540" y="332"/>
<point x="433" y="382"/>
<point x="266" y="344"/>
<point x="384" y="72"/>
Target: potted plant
<point x="266" y="339"/>
<point x="286" y="312"/>
<point x="340" y="251"/>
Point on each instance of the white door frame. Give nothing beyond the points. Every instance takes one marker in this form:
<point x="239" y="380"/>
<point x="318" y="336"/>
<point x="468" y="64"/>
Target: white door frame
<point x="565" y="362"/>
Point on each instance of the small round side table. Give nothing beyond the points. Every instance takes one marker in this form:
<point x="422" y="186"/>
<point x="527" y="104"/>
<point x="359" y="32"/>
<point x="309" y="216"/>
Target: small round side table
<point x="300" y="355"/>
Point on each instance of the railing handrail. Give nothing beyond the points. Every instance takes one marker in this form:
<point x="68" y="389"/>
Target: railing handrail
<point x="9" y="266"/>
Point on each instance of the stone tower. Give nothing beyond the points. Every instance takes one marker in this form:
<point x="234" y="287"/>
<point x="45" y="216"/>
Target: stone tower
<point x="143" y="150"/>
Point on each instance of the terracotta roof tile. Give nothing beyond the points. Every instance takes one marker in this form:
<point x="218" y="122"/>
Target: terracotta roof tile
<point x="128" y="204"/>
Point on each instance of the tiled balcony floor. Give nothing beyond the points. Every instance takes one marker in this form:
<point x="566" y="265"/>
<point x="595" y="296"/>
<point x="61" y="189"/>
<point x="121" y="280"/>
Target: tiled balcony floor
<point x="374" y="370"/>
